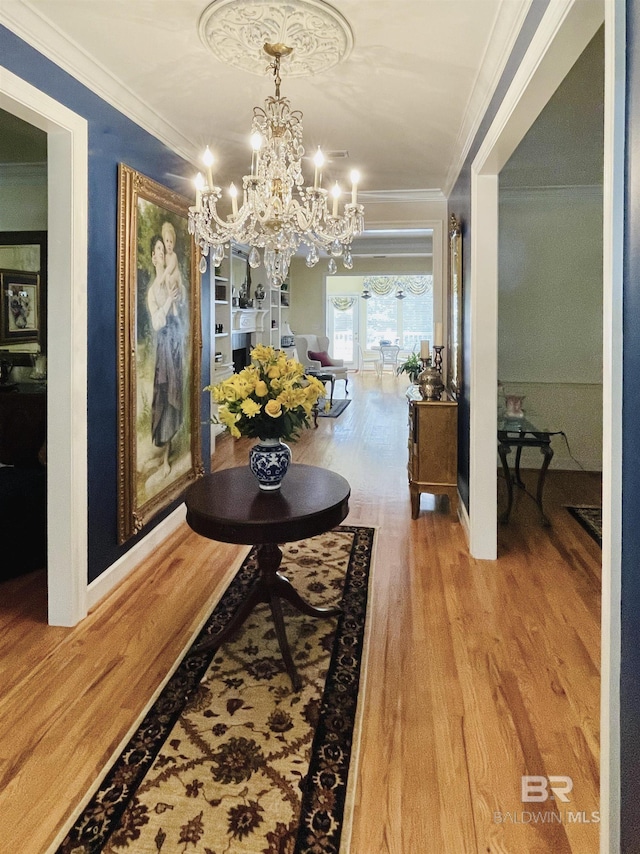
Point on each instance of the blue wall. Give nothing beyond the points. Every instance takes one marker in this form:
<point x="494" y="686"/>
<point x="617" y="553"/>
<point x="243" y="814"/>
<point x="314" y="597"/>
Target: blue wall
<point x="113" y="139"/>
<point x="630" y="616"/>
<point x="460" y="205"/>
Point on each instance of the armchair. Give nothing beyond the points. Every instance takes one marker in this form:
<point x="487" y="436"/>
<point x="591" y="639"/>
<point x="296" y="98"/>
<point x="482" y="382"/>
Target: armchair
<point x="313" y="354"/>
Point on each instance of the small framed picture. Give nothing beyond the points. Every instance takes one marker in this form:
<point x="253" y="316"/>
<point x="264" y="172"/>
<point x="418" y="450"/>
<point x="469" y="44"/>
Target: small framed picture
<point x="20" y="308"/>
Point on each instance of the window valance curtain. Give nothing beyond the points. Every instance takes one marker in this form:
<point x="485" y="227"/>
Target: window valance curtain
<point x="342" y="303"/>
<point x="383" y="285"/>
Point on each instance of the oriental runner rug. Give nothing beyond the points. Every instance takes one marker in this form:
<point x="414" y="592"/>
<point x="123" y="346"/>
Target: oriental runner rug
<point x="338" y="407"/>
<point x="591" y="520"/>
<point x="229" y="758"/>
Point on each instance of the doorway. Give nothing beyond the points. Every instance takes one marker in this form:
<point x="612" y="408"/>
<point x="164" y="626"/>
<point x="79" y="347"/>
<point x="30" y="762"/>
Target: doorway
<point x="561" y="38"/>
<point x="67" y="190"/>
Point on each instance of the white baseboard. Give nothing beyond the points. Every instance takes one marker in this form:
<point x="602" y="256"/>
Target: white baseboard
<point x="118" y="571"/>
<point x="463" y="516"/>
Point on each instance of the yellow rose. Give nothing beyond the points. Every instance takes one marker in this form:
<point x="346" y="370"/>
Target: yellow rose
<point x="261" y="388"/>
<point x="274" y="372"/>
<point x="273" y="408"/>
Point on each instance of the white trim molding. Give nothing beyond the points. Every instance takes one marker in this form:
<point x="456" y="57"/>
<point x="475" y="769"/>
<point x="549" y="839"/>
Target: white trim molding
<point x="67" y="142"/>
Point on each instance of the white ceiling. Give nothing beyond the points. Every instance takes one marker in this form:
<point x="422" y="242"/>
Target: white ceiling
<point x="404" y="104"/>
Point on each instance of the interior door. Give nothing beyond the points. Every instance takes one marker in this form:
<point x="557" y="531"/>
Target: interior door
<point x="342" y="328"/>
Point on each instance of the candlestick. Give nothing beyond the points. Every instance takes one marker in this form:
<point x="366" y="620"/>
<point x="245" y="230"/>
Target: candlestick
<point x="437" y="357"/>
<point x="437" y="341"/>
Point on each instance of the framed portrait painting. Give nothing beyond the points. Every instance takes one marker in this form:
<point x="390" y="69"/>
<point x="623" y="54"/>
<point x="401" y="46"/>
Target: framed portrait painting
<point x="454" y="361"/>
<point x="20" y="312"/>
<point x="159" y="351"/>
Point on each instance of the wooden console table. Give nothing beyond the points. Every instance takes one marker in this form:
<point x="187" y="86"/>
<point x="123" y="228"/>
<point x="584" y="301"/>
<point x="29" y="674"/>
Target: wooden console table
<point x="433" y="448"/>
<point x="228" y="505"/>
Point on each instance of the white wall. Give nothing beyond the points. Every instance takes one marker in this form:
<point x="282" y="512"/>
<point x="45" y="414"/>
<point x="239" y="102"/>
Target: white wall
<point x="550" y="314"/>
<point x="23" y="195"/>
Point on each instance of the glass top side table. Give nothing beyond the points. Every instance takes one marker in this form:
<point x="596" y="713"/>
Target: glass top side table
<point x="520" y="433"/>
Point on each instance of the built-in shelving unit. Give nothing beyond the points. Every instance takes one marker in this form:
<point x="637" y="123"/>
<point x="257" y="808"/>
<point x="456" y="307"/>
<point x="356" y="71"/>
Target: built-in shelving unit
<point x="232" y="324"/>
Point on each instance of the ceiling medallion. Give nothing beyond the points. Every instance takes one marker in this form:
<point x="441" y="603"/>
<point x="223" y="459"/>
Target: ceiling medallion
<point x="236" y="31"/>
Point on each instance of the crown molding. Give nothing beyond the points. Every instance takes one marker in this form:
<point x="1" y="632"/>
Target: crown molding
<point x="386" y="196"/>
<point x="40" y="34"/>
<point x="585" y="191"/>
<point x="507" y="25"/>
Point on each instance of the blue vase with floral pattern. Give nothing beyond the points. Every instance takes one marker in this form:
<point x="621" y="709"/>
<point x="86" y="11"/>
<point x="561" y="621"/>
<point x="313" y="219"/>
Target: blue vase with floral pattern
<point x="269" y="460"/>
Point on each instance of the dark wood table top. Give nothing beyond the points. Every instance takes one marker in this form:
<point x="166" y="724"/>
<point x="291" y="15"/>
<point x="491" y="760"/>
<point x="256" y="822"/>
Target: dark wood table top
<point x="229" y="506"/>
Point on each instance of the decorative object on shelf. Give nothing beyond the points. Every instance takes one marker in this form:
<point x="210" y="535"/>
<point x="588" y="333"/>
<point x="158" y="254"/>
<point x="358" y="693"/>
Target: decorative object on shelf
<point x="269" y="461"/>
<point x="437" y="357"/>
<point x="513" y="405"/>
<point x="259" y="295"/>
<point x="412" y="367"/>
<point x="430" y="382"/>
<point x="271" y="398"/>
<point x="277" y="212"/>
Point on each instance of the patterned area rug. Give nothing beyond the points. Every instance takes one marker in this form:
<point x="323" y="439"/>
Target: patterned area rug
<point x="339" y="406"/>
<point x="229" y="758"/>
<point x="591" y="520"/>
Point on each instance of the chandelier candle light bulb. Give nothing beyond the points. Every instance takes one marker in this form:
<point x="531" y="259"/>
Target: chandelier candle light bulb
<point x="256" y="145"/>
<point x="199" y="182"/>
<point x="355" y="178"/>
<point x="207" y="159"/>
<point x="319" y="163"/>
<point x="336" y="193"/>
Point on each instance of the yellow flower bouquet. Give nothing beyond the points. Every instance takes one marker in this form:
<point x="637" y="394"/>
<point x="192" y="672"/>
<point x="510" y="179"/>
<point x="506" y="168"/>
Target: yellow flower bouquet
<point x="271" y="398"/>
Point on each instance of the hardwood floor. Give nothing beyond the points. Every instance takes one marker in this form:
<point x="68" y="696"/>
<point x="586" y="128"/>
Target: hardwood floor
<point x="479" y="672"/>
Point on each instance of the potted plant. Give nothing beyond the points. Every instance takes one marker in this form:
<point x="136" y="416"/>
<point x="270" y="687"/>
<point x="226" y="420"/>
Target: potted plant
<point x="412" y="367"/>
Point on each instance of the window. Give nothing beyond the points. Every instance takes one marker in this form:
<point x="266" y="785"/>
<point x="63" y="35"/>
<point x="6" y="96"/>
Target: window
<point x="400" y="321"/>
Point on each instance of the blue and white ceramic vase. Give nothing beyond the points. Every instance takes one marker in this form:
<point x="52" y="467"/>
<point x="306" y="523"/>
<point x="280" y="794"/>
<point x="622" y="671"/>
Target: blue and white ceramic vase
<point x="269" y="460"/>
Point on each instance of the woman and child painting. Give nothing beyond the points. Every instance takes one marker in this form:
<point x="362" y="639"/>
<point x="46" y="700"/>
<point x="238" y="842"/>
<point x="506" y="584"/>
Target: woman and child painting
<point x="166" y="302"/>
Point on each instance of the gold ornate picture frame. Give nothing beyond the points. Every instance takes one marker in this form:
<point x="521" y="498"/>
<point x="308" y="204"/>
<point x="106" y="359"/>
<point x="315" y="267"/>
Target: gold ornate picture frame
<point x="159" y="351"/>
<point x="454" y="361"/>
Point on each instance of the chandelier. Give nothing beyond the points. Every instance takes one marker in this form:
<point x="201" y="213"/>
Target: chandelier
<point x="277" y="212"/>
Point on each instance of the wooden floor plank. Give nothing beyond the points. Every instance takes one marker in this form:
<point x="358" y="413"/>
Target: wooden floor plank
<point x="478" y="672"/>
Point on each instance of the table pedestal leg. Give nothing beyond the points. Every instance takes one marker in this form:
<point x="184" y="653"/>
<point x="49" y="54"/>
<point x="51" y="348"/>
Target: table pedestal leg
<point x="503" y="450"/>
<point x="547" y="452"/>
<point x="270" y="587"/>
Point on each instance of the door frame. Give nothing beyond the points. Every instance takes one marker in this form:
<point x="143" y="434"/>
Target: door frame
<point x="564" y="32"/>
<point x="67" y="189"/>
